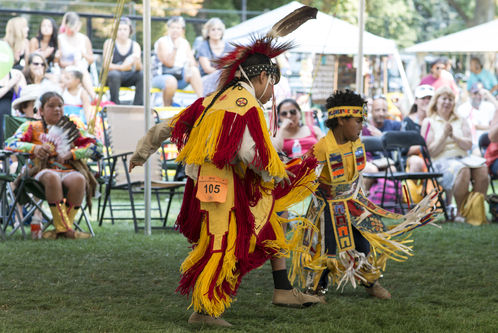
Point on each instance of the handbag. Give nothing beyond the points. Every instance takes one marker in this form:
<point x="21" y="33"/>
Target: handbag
<point x="473" y="209"/>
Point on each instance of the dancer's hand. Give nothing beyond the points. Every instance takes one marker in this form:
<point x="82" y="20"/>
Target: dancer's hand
<point x="132" y="165"/>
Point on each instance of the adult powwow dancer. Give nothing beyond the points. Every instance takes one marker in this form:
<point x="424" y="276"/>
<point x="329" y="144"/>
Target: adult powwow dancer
<point x="351" y="243"/>
<point x="236" y="181"/>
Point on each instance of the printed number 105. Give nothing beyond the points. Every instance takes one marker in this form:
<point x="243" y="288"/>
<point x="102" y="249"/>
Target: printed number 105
<point x="210" y="188"/>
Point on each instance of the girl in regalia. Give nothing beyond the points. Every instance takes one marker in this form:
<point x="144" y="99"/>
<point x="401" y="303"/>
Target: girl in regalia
<point x="351" y="243"/>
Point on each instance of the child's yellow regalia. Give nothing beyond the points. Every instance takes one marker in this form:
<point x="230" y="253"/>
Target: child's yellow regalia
<point x="350" y="241"/>
<point x="231" y="199"/>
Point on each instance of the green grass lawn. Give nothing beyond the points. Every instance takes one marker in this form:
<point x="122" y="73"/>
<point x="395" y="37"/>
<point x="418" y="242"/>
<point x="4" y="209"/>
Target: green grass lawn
<point x="120" y="281"/>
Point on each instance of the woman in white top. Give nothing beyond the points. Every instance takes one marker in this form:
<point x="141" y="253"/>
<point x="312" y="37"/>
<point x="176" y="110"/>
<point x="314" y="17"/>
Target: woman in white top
<point x="449" y="140"/>
<point x="76" y="49"/>
<point x="177" y="62"/>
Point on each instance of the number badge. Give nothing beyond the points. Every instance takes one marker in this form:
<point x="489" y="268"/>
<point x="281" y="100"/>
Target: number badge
<point x="212" y="189"/>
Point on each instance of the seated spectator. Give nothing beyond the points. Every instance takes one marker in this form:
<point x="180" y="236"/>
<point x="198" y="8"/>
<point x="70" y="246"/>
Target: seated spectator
<point x="76" y="99"/>
<point x="35" y="72"/>
<point x="10" y="87"/>
<point x="16" y="35"/>
<point x="76" y="49"/>
<point x="177" y="67"/>
<point x="378" y="124"/>
<point x="45" y="43"/>
<point x="492" y="151"/>
<point x="418" y="112"/>
<point x="479" y="74"/>
<point x="25" y="104"/>
<point x="380" y="114"/>
<point x="479" y="110"/>
<point x="440" y="77"/>
<point x="414" y="159"/>
<point x="293" y="137"/>
<point x="449" y="139"/>
<point x="56" y="168"/>
<point x="125" y="69"/>
<point x="212" y="47"/>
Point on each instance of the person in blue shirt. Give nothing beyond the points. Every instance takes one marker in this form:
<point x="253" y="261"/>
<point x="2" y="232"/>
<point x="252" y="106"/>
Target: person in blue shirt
<point x="379" y="116"/>
<point x="479" y="74"/>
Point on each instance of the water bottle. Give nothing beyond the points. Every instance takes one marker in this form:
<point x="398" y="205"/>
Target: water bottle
<point x="36" y="228"/>
<point x="296" y="149"/>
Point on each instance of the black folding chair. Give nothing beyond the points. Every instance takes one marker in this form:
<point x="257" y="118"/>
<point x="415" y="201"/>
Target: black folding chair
<point x="399" y="141"/>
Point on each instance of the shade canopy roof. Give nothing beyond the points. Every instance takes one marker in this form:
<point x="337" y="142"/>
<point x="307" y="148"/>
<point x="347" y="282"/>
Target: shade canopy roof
<point x="481" y="38"/>
<point x="326" y="34"/>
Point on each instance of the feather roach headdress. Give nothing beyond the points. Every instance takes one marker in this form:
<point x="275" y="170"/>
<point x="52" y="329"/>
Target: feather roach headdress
<point x="266" y="45"/>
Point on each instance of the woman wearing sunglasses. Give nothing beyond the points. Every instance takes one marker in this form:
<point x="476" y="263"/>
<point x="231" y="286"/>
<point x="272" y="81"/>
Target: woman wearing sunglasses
<point x="293" y="137"/>
<point x="35" y="71"/>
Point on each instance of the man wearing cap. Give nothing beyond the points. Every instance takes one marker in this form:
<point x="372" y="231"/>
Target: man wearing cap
<point x="479" y="110"/>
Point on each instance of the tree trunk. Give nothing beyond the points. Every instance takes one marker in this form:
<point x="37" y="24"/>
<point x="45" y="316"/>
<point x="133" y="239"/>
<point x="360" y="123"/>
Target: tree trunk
<point x="484" y="11"/>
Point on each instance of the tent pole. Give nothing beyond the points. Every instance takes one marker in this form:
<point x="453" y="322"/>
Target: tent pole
<point x="406" y="85"/>
<point x="359" y="68"/>
<point x="147" y="110"/>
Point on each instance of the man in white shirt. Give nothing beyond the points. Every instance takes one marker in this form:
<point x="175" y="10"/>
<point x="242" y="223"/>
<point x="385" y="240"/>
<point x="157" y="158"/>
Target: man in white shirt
<point x="479" y="111"/>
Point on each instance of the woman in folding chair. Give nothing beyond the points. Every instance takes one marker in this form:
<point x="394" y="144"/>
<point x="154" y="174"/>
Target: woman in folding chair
<point x="56" y="146"/>
<point x="449" y="141"/>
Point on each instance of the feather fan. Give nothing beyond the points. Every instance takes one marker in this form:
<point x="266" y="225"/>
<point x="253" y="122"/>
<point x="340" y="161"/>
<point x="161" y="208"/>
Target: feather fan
<point x="61" y="135"/>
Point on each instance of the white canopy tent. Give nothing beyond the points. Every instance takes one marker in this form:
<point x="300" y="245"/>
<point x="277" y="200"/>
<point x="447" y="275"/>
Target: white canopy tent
<point x="479" y="39"/>
<point x="324" y="35"/>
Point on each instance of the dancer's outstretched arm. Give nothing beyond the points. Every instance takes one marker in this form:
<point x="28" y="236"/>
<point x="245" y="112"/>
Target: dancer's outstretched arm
<point x="150" y="143"/>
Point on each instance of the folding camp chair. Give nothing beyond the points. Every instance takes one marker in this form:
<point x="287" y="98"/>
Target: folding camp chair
<point x="400" y="141"/>
<point x="124" y="124"/>
<point x="483" y="145"/>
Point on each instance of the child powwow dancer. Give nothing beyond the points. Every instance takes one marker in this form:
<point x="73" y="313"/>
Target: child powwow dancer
<point x="351" y="244"/>
<point x="236" y="181"/>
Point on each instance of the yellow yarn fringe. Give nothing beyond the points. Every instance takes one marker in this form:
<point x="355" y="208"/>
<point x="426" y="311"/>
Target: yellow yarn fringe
<point x="204" y="138"/>
<point x="221" y="301"/>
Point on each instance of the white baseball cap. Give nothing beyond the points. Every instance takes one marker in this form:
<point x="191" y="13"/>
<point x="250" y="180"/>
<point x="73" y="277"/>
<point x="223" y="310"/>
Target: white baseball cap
<point x="424" y="90"/>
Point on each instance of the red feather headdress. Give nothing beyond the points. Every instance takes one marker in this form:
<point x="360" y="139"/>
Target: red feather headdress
<point x="266" y="45"/>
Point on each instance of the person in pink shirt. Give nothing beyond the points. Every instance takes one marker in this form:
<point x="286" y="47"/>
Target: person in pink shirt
<point x="439" y="76"/>
<point x="293" y="137"/>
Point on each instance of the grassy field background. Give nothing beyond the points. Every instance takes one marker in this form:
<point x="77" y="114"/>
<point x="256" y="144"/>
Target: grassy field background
<point x="120" y="281"/>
